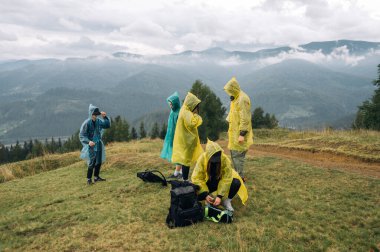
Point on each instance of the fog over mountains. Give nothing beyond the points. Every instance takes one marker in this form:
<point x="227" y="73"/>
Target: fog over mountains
<point x="307" y="86"/>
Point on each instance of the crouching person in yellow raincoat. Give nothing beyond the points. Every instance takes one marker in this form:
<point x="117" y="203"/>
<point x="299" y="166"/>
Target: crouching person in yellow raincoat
<point x="213" y="173"/>
<point x="186" y="145"/>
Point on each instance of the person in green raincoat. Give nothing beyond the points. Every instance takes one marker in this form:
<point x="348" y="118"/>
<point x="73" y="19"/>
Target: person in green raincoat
<point x="240" y="135"/>
<point x="214" y="173"/>
<point x="186" y="145"/>
<point x="167" y="149"/>
<point x="90" y="136"/>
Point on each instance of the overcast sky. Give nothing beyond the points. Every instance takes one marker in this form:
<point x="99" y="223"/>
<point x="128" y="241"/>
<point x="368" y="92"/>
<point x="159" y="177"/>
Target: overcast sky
<point x="52" y="28"/>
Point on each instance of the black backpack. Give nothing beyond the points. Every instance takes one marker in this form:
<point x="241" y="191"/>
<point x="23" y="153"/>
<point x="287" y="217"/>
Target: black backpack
<point x="149" y="176"/>
<point x="184" y="207"/>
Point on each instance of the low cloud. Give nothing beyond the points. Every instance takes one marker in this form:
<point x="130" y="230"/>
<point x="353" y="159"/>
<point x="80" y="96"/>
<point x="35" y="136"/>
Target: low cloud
<point x="340" y="54"/>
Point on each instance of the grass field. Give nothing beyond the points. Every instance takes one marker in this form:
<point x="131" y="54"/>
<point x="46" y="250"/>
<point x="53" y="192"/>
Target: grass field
<point x="293" y="206"/>
<point x="361" y="144"/>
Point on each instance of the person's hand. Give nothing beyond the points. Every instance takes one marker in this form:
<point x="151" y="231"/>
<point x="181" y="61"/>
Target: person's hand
<point x="217" y="201"/>
<point x="241" y="139"/>
<point x="209" y="199"/>
<point x="91" y="143"/>
<point x="103" y="114"/>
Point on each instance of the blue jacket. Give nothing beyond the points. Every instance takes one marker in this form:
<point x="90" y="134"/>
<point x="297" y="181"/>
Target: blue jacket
<point x="93" y="132"/>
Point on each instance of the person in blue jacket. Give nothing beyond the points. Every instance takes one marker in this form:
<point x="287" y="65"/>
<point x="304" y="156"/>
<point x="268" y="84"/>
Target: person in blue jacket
<point x="167" y="149"/>
<point x="90" y="136"/>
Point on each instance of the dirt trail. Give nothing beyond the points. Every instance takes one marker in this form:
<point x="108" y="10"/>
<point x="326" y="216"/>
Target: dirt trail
<point x="320" y="159"/>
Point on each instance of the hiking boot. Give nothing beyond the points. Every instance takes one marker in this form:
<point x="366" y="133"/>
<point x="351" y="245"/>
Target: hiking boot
<point x="227" y="205"/>
<point x="89" y="182"/>
<point x="98" y="179"/>
<point x="179" y="176"/>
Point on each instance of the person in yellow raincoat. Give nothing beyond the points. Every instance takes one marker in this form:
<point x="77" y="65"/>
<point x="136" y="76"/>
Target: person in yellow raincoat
<point x="240" y="135"/>
<point x="214" y="173"/>
<point x="186" y="145"/>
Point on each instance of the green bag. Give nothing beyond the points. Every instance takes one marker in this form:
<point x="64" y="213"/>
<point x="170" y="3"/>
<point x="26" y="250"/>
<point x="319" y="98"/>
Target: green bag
<point x="218" y="215"/>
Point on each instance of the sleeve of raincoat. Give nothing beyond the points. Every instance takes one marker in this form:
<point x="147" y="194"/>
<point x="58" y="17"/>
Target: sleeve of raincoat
<point x="105" y="123"/>
<point x="83" y="133"/>
<point x="226" y="178"/>
<point x="245" y="115"/>
<point x="192" y="120"/>
<point x="199" y="175"/>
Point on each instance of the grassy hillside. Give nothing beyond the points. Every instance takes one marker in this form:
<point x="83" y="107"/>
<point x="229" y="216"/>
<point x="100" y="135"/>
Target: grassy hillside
<point x="363" y="145"/>
<point x="292" y="207"/>
<point x="37" y="165"/>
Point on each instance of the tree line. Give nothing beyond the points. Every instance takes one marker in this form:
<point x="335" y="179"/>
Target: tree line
<point x="211" y="110"/>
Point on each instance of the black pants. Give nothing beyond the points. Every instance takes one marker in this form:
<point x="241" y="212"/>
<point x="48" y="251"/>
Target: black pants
<point x="95" y="162"/>
<point x="91" y="169"/>
<point x="234" y="188"/>
<point x="185" y="172"/>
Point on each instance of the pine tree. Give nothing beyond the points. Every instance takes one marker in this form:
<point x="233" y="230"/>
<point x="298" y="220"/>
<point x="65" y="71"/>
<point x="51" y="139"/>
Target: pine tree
<point x="211" y="110"/>
<point x="261" y="120"/>
<point x="368" y="115"/>
<point x="38" y="149"/>
<point x="59" y="145"/>
<point x="134" y="134"/>
<point x="4" y="154"/>
<point x="17" y="153"/>
<point x="163" y="131"/>
<point x="142" y="131"/>
<point x="155" y="131"/>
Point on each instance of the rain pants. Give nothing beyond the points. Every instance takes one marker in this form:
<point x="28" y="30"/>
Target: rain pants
<point x="167" y="149"/>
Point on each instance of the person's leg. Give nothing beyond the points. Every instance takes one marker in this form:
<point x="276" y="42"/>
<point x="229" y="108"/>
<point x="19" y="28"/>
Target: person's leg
<point x="97" y="170"/>
<point x="212" y="187"/>
<point x="98" y="165"/>
<point x="185" y="172"/>
<point x="178" y="168"/>
<point x="91" y="165"/>
<point x="238" y="159"/>
<point x="234" y="188"/>
<point x="177" y="172"/>
<point x="90" y="171"/>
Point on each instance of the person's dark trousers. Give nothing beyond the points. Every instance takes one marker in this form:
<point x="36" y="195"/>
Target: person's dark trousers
<point x="234" y="188"/>
<point x="185" y="172"/>
<point x="95" y="162"/>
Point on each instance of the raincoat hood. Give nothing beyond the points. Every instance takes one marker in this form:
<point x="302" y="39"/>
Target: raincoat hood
<point x="191" y="101"/>
<point x="174" y="99"/>
<point x="232" y="88"/>
<point x="211" y="149"/>
<point x="91" y="110"/>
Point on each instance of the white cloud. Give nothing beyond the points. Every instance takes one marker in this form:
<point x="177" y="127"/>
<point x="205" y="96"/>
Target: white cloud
<point x="168" y="26"/>
<point x="70" y="25"/>
<point x="340" y="54"/>
<point x="7" y="36"/>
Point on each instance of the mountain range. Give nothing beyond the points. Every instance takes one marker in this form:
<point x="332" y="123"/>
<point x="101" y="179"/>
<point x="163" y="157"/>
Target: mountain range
<point x="313" y="85"/>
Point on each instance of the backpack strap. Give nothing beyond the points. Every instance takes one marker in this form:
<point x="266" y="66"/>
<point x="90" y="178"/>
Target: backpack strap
<point x="208" y="217"/>
<point x="164" y="181"/>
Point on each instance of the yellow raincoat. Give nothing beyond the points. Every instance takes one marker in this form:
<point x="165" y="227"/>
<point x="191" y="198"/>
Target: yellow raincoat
<point x="200" y="176"/>
<point x="239" y="117"/>
<point x="186" y="145"/>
